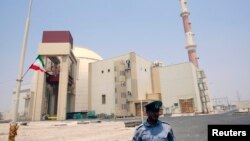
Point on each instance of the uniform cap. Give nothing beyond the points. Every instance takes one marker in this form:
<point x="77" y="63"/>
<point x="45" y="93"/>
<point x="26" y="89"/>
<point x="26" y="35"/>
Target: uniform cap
<point x="153" y="106"/>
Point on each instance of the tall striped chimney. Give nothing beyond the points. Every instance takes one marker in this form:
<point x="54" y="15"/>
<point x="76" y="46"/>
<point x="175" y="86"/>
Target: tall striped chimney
<point x="190" y="44"/>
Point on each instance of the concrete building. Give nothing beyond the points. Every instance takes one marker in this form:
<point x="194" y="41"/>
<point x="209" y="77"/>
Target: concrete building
<point x="64" y="87"/>
<point x="78" y="80"/>
<point x="243" y="106"/>
<point x="183" y="88"/>
<point x="83" y="56"/>
<point x="55" y="90"/>
<point x="117" y="85"/>
<point x="116" y="89"/>
<point x="42" y="97"/>
<point x="24" y="102"/>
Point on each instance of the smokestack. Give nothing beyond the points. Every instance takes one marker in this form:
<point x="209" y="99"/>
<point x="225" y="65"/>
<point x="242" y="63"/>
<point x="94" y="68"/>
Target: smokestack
<point x="190" y="44"/>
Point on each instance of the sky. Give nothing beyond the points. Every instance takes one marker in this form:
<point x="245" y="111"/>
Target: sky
<point x="151" y="28"/>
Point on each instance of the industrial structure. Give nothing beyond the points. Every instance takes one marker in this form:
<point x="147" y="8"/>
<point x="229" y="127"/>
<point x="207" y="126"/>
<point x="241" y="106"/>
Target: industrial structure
<point x="189" y="35"/>
<point x="191" y="48"/>
<point x="55" y="89"/>
<point x="118" y="85"/>
<point x="78" y="80"/>
<point x="64" y="87"/>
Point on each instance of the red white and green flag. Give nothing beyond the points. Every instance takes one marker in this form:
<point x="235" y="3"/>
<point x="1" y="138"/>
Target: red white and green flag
<point x="38" y="65"/>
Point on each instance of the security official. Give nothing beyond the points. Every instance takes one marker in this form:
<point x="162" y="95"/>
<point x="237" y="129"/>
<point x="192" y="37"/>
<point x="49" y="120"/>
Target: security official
<point x="153" y="129"/>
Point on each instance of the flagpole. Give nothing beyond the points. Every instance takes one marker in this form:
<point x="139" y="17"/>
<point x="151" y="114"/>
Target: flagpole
<point x="20" y="71"/>
<point x="27" y="70"/>
<point x="25" y="73"/>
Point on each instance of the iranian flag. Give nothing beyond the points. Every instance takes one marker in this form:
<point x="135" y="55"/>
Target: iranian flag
<point x="38" y="65"/>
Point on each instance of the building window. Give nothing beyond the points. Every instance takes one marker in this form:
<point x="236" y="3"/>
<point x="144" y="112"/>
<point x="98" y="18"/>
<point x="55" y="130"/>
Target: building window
<point x="123" y="84"/>
<point x="103" y="99"/>
<point x="108" y="70"/>
<point x="124" y="107"/>
<point x="122" y="73"/>
<point x="176" y="104"/>
<point x="145" y="69"/>
<point x="102" y="71"/>
<point x="123" y="95"/>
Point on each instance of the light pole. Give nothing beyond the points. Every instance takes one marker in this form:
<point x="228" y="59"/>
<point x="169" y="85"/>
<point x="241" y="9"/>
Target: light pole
<point x="13" y="125"/>
<point x="20" y="71"/>
<point x="141" y="113"/>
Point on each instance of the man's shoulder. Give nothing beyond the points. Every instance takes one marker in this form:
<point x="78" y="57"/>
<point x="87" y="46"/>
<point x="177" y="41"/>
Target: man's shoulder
<point x="164" y="122"/>
<point x="139" y="127"/>
<point x="166" y="125"/>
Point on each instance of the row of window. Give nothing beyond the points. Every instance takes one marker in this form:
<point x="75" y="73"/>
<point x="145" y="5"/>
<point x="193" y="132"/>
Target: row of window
<point x="121" y="72"/>
<point x="103" y="71"/>
<point x="124" y="106"/>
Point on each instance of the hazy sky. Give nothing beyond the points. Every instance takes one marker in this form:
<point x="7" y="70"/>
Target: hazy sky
<point x="151" y="28"/>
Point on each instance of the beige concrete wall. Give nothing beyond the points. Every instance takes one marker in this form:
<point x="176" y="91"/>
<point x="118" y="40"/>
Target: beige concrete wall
<point x="137" y="78"/>
<point x="179" y="82"/>
<point x="153" y="96"/>
<point x="81" y="101"/>
<point x="156" y="87"/>
<point x="132" y="82"/>
<point x="84" y="57"/>
<point x="103" y="83"/>
<point x="54" y="49"/>
<point x="90" y="93"/>
<point x="143" y="70"/>
<point x="63" y="89"/>
<point x="38" y="100"/>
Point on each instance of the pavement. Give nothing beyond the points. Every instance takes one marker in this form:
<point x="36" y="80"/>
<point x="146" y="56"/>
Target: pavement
<point x="186" y="128"/>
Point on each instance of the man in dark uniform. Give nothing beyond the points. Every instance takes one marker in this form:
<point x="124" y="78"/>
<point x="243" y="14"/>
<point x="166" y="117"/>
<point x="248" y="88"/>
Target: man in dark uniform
<point x="153" y="129"/>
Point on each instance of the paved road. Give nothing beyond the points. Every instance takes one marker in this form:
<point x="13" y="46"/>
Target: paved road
<point x="186" y="128"/>
<point x="194" y="128"/>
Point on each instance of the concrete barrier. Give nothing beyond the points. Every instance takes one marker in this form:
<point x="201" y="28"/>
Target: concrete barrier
<point x="132" y="123"/>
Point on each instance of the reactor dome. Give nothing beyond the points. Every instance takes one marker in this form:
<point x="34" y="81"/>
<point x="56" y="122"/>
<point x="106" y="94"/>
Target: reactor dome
<point x="81" y="52"/>
<point x="84" y="56"/>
